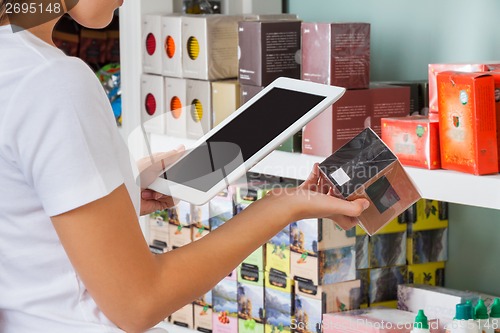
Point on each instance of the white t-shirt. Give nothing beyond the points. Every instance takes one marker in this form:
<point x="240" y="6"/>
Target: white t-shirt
<point x="59" y="149"/>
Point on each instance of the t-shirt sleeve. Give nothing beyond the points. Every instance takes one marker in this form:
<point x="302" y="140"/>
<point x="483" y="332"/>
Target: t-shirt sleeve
<point x="62" y="136"/>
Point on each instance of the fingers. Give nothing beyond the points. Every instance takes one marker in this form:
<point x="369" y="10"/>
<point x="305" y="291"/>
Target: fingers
<point x="156" y="165"/>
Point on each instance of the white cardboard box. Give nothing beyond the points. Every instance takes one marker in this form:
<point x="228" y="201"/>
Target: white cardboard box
<point x="199" y="103"/>
<point x="171" y="55"/>
<point x="176" y="107"/>
<point x="151" y="44"/>
<point x="152" y="103"/>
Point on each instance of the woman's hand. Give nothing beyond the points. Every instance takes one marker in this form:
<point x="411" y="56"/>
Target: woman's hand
<point x="149" y="169"/>
<point x="314" y="199"/>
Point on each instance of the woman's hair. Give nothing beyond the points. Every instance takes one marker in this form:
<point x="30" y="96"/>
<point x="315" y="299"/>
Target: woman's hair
<point x="3" y="4"/>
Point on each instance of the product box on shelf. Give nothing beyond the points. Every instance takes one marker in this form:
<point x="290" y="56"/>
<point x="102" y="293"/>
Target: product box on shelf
<point x="384" y="283"/>
<point x="388" y="249"/>
<point x="356" y="110"/>
<point x="210" y="46"/>
<point x="200" y="225"/>
<point x="278" y="252"/>
<point x="199" y="104"/>
<point x="414" y="140"/>
<point x="496" y="77"/>
<point x="336" y="54"/>
<point x="435" y="69"/>
<point x="268" y="50"/>
<point x="366" y="168"/>
<point x="395" y="225"/>
<point x="437" y="302"/>
<point x="183" y="317"/>
<point x="249" y="273"/>
<point x="152" y="45"/>
<point x="293" y="144"/>
<point x="158" y="236"/>
<point x="321" y="252"/>
<point x="202" y="313"/>
<point x="431" y="273"/>
<point x="248" y="91"/>
<point x="176" y="107"/>
<point x="221" y="207"/>
<point x="225" y="307"/>
<point x="251" y="316"/>
<point x="430" y="214"/>
<point x="419" y="95"/>
<point x="425" y="246"/>
<point x="225" y="99"/>
<point x="363" y="275"/>
<point x="180" y="224"/>
<point x="251" y="7"/>
<point x="153" y="103"/>
<point x="278" y="302"/>
<point x="467" y="122"/>
<point x="373" y="320"/>
<point x="171" y="46"/>
<point x="336" y="297"/>
<point x="362" y="257"/>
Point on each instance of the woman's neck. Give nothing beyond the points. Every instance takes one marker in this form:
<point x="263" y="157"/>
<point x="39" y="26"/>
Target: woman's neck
<point x="42" y="31"/>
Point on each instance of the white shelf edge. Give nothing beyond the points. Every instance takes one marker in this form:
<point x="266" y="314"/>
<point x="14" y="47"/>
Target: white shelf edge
<point x="443" y="185"/>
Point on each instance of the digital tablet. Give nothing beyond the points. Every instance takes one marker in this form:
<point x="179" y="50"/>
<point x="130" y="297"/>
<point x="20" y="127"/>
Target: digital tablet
<point x="230" y="149"/>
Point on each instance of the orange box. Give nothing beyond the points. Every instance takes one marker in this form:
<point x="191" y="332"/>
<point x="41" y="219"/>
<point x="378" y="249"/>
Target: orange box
<point x="434" y="69"/>
<point x="414" y="140"/>
<point x="467" y="122"/>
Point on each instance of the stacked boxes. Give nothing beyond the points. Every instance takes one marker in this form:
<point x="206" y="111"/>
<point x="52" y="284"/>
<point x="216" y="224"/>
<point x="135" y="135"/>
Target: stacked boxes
<point x="356" y="110"/>
<point x="152" y="103"/>
<point x="177" y="107"/>
<point x="225" y="307"/>
<point x="203" y="313"/>
<point x="251" y="315"/>
<point x="278" y="303"/>
<point x="171" y="33"/>
<point x="199" y="117"/>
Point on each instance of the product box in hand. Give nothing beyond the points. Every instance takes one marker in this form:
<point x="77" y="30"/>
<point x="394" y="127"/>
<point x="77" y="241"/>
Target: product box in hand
<point x="268" y="50"/>
<point x="251" y="316"/>
<point x="153" y="103"/>
<point x="199" y="100"/>
<point x="179" y="229"/>
<point x="356" y="110"/>
<point x="200" y="225"/>
<point x="425" y="246"/>
<point x="373" y="320"/>
<point x="183" y="317"/>
<point x="171" y="45"/>
<point x="437" y="302"/>
<point x="336" y="297"/>
<point x="467" y="122"/>
<point x="176" y="107"/>
<point x="383" y="283"/>
<point x="202" y="313"/>
<point x="435" y="69"/>
<point x="366" y="168"/>
<point x="321" y="252"/>
<point x="414" y="140"/>
<point x="278" y="302"/>
<point x="225" y="99"/>
<point x="431" y="273"/>
<point x="336" y="54"/>
<point x="225" y="307"/>
<point x="159" y="239"/>
<point x="151" y="44"/>
<point x="278" y="252"/>
<point x="210" y="46"/>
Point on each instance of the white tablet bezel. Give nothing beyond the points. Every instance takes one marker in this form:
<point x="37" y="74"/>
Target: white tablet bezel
<point x="197" y="197"/>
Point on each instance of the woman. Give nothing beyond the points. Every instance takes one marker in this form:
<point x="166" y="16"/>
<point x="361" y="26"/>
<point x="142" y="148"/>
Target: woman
<point x="72" y="255"/>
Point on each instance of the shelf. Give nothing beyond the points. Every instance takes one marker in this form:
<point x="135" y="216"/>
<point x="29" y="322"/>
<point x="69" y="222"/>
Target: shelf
<point x="444" y="185"/>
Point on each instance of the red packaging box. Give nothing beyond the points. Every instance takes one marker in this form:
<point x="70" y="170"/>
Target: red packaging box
<point x="356" y="110"/>
<point x="414" y="140"/>
<point x="336" y="54"/>
<point x="496" y="77"/>
<point x="434" y="69"/>
<point x="467" y="122"/>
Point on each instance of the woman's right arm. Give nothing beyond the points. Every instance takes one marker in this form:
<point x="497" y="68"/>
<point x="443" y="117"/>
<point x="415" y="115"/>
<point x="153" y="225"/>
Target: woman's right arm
<point x="136" y="289"/>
